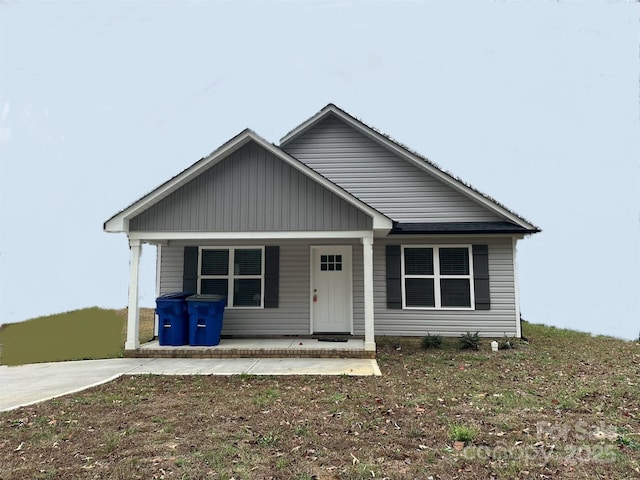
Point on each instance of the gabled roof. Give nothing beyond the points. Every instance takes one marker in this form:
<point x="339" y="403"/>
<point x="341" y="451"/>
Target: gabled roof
<point x="120" y="221"/>
<point x="418" y="160"/>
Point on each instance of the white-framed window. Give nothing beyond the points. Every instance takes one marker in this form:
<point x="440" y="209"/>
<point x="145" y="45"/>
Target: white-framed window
<point x="437" y="277"/>
<point x="235" y="272"/>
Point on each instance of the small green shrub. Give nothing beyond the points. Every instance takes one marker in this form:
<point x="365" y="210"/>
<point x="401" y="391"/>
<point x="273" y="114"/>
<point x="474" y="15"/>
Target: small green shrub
<point x="431" y="341"/>
<point x="470" y="341"/>
<point x="462" y="433"/>
<point x="507" y="343"/>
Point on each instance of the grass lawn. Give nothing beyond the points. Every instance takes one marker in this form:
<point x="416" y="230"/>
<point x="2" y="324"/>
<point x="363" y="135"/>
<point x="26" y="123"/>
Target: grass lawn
<point x="564" y="406"/>
<point x="81" y="334"/>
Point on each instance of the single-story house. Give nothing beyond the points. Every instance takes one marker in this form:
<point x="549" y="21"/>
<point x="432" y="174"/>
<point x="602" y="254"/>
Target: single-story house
<point x="337" y="230"/>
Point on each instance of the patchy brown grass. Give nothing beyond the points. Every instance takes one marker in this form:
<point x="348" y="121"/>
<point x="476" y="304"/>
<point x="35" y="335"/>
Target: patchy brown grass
<point x="147" y="323"/>
<point x="564" y="406"/>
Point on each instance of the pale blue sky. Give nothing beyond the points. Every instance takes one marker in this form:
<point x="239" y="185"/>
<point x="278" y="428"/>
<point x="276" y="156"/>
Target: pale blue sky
<point x="533" y="103"/>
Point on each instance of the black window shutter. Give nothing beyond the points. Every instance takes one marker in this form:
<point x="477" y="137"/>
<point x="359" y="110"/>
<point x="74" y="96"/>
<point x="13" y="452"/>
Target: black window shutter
<point x="190" y="270"/>
<point x="271" y="276"/>
<point x="394" y="280"/>
<point x="481" y="277"/>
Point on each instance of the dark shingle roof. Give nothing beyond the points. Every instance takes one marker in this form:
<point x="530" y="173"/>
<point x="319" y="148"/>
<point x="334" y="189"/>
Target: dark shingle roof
<point x="458" y="227"/>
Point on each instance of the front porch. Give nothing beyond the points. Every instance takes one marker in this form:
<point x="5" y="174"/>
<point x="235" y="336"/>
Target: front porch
<point x="294" y="299"/>
<point x="291" y="347"/>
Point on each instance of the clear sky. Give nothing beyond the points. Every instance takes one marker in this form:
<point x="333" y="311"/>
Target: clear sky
<point x="534" y="103"/>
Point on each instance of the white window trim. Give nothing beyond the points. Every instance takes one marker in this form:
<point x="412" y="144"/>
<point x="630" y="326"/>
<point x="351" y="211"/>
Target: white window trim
<point x="437" y="277"/>
<point x="230" y="276"/>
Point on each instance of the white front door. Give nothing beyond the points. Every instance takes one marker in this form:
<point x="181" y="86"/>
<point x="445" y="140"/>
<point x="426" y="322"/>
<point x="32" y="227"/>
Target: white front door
<point x="331" y="289"/>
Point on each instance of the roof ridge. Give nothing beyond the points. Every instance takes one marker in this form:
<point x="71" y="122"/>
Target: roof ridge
<point x="331" y="107"/>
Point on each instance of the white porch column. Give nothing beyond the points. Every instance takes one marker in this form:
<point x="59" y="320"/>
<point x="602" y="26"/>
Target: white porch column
<point x="367" y="260"/>
<point x="515" y="287"/>
<point x="133" y="316"/>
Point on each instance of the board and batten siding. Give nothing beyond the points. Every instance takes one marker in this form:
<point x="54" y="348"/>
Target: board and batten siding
<point x="292" y="315"/>
<point x="380" y="178"/>
<point x="251" y="190"/>
<point x="500" y="320"/>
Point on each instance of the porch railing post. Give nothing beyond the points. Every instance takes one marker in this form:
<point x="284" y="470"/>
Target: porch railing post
<point x="369" y="330"/>
<point x="133" y="314"/>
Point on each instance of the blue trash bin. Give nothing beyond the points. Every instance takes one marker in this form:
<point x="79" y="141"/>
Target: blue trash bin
<point x="173" y="319"/>
<point x="206" y="313"/>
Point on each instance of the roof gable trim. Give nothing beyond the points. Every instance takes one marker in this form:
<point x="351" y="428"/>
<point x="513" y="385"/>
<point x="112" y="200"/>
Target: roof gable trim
<point x="120" y="221"/>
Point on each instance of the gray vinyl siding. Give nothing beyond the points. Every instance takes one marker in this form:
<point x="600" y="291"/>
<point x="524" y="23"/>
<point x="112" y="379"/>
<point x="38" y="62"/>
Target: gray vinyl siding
<point x="498" y="321"/>
<point x="171" y="269"/>
<point x="251" y="190"/>
<point x="292" y="315"/>
<point x="378" y="177"/>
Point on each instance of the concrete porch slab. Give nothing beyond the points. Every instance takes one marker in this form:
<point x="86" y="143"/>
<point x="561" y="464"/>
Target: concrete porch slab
<point x="258" y="348"/>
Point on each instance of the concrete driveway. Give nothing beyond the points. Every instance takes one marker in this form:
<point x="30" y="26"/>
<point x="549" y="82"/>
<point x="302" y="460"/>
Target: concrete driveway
<point x="27" y="384"/>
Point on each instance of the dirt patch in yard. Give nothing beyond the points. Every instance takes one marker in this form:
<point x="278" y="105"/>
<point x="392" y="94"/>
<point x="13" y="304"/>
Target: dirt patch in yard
<point x="565" y="406"/>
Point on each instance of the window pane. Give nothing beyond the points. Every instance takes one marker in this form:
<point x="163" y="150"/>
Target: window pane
<point x="454" y="261"/>
<point x="420" y="292"/>
<point x="418" y="261"/>
<point x="247" y="292"/>
<point x="215" y="262"/>
<point x="216" y="286"/>
<point x="455" y="293"/>
<point x="248" y="262"/>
